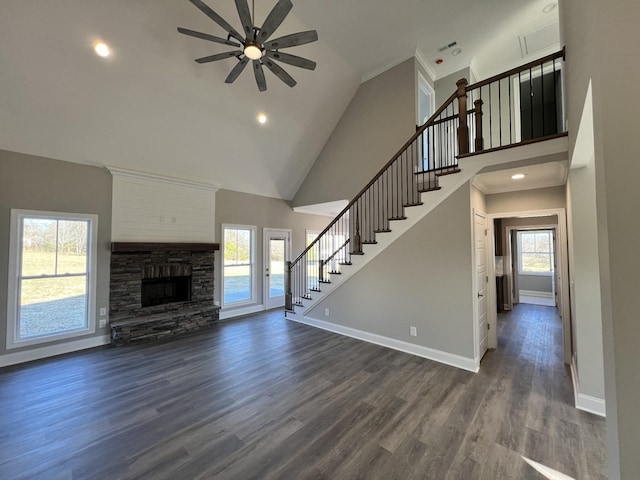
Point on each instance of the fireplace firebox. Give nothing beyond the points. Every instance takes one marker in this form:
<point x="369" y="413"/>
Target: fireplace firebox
<point x="159" y="291"/>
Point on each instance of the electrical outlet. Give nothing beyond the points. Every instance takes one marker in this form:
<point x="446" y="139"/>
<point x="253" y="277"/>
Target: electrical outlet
<point x="413" y="331"/>
<point x="103" y="312"/>
<point x="103" y="323"/>
<point x="326" y="312"/>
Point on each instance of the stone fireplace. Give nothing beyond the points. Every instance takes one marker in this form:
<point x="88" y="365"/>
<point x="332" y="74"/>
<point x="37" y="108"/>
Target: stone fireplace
<point x="160" y="289"/>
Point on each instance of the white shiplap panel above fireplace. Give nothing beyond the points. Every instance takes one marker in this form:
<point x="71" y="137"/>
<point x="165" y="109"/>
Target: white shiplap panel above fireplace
<point x="153" y="208"/>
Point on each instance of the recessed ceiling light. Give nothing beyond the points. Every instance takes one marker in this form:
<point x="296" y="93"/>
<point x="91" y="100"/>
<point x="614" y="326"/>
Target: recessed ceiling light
<point x="518" y="176"/>
<point x="262" y="118"/>
<point x="549" y="7"/>
<point x="456" y="51"/>
<point x="102" y="49"/>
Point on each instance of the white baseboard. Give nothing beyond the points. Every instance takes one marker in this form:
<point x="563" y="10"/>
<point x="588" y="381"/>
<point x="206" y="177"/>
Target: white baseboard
<point x="583" y="401"/>
<point x="236" y="312"/>
<point x="535" y="293"/>
<point x="53" y="350"/>
<point x="458" y="361"/>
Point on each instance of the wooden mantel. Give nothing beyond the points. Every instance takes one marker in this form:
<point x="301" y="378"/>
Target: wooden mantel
<point x="131" y="247"/>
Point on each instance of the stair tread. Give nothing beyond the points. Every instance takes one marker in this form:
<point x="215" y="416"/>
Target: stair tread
<point x="398" y="218"/>
<point x="335" y="273"/>
<point x="369" y="242"/>
<point x="324" y="281"/>
<point x="413" y="204"/>
<point x="430" y="189"/>
<point x="345" y="263"/>
<point x="357" y="253"/>
<point x="315" y="290"/>
<point x="386" y="230"/>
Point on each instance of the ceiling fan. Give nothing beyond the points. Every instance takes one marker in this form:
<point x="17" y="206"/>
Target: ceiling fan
<point x="255" y="44"/>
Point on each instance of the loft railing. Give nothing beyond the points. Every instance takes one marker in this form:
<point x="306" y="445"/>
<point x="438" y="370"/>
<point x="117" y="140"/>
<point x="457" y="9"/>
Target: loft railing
<point x="518" y="106"/>
<point x="522" y="105"/>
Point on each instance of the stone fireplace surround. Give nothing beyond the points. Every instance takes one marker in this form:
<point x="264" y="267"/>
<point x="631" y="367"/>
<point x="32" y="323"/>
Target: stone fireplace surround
<point x="132" y="262"/>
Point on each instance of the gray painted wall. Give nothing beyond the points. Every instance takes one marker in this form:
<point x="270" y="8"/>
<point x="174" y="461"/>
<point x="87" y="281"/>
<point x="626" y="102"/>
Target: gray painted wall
<point x="424" y="279"/>
<point x="535" y="199"/>
<point x="445" y="86"/>
<point x="535" y="283"/>
<point x="263" y="212"/>
<point x="36" y="183"/>
<point x="601" y="41"/>
<point x="379" y="120"/>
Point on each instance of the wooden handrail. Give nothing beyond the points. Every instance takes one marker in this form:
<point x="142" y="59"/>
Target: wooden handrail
<point x="513" y="71"/>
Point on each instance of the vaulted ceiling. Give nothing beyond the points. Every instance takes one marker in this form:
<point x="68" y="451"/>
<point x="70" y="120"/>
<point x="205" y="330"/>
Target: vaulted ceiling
<point x="150" y="107"/>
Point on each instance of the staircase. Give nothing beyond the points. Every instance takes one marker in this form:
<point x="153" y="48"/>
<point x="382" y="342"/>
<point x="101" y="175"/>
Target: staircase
<point x="437" y="160"/>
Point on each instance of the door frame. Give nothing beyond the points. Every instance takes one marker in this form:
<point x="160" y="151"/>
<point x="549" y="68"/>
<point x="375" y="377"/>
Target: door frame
<point x="562" y="274"/>
<point x="476" y="313"/>
<point x="510" y="230"/>
<point x="267" y="235"/>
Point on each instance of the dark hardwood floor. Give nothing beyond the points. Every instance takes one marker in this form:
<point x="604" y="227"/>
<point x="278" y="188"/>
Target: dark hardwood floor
<point x="264" y="397"/>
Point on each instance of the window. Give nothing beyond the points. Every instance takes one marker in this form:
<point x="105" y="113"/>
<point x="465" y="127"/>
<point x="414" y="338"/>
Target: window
<point x="535" y="252"/>
<point x="52" y="264"/>
<point x="239" y="280"/>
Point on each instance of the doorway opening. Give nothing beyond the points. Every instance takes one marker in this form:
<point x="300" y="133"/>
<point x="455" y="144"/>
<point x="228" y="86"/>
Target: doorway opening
<point x="528" y="264"/>
<point x="533" y="266"/>
<point x="277" y="251"/>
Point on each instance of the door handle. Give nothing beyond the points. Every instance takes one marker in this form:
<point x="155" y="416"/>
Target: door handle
<point x="480" y="295"/>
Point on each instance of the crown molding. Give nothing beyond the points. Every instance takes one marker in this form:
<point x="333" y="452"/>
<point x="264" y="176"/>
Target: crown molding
<point x="123" y="172"/>
<point x="374" y="73"/>
<point x="424" y="63"/>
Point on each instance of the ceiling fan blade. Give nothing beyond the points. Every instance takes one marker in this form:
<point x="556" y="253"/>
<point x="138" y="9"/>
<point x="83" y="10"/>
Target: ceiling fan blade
<point x="259" y="73"/>
<point x="219" y="56"/>
<point x="292" y="60"/>
<point x="274" y="19"/>
<point x="292" y="40"/>
<point x="206" y="36"/>
<point x="245" y="17"/>
<point x="204" y="8"/>
<point x="279" y="72"/>
<point x="237" y="70"/>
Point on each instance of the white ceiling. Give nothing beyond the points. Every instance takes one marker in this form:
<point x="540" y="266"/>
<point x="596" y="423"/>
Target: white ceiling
<point x="150" y="107"/>
<point x="541" y="175"/>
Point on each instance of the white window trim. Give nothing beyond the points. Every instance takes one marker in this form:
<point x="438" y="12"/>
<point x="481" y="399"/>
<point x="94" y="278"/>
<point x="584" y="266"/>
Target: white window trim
<point x="526" y="272"/>
<point x="14" y="270"/>
<point x="254" y="283"/>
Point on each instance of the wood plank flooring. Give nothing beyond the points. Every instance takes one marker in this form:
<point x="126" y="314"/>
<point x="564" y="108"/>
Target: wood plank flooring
<point x="266" y="398"/>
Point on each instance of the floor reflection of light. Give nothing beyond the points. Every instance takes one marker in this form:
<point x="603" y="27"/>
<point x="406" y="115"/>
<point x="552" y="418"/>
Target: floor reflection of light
<point x="549" y="473"/>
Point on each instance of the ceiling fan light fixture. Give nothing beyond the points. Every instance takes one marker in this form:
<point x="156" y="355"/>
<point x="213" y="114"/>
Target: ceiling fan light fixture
<point x="255" y="43"/>
<point x="102" y="49"/>
<point x="253" y="51"/>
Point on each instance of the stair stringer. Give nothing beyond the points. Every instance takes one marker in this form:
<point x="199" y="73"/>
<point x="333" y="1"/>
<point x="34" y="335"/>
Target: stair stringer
<point x="540" y="152"/>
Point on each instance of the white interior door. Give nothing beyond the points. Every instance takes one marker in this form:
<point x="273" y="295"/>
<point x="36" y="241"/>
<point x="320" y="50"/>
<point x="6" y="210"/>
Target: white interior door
<point x="480" y="240"/>
<point x="277" y="251"/>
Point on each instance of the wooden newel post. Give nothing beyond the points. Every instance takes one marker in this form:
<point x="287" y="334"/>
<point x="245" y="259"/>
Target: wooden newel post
<point x="477" y="111"/>
<point x="288" y="296"/>
<point x="463" y="128"/>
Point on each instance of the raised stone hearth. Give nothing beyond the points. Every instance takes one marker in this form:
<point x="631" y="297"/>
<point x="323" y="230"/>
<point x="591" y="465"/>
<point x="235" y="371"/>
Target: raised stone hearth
<point x="130" y="322"/>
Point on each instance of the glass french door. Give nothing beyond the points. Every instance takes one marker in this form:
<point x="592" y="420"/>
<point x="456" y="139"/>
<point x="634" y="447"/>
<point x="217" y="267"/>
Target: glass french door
<point x="277" y="248"/>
